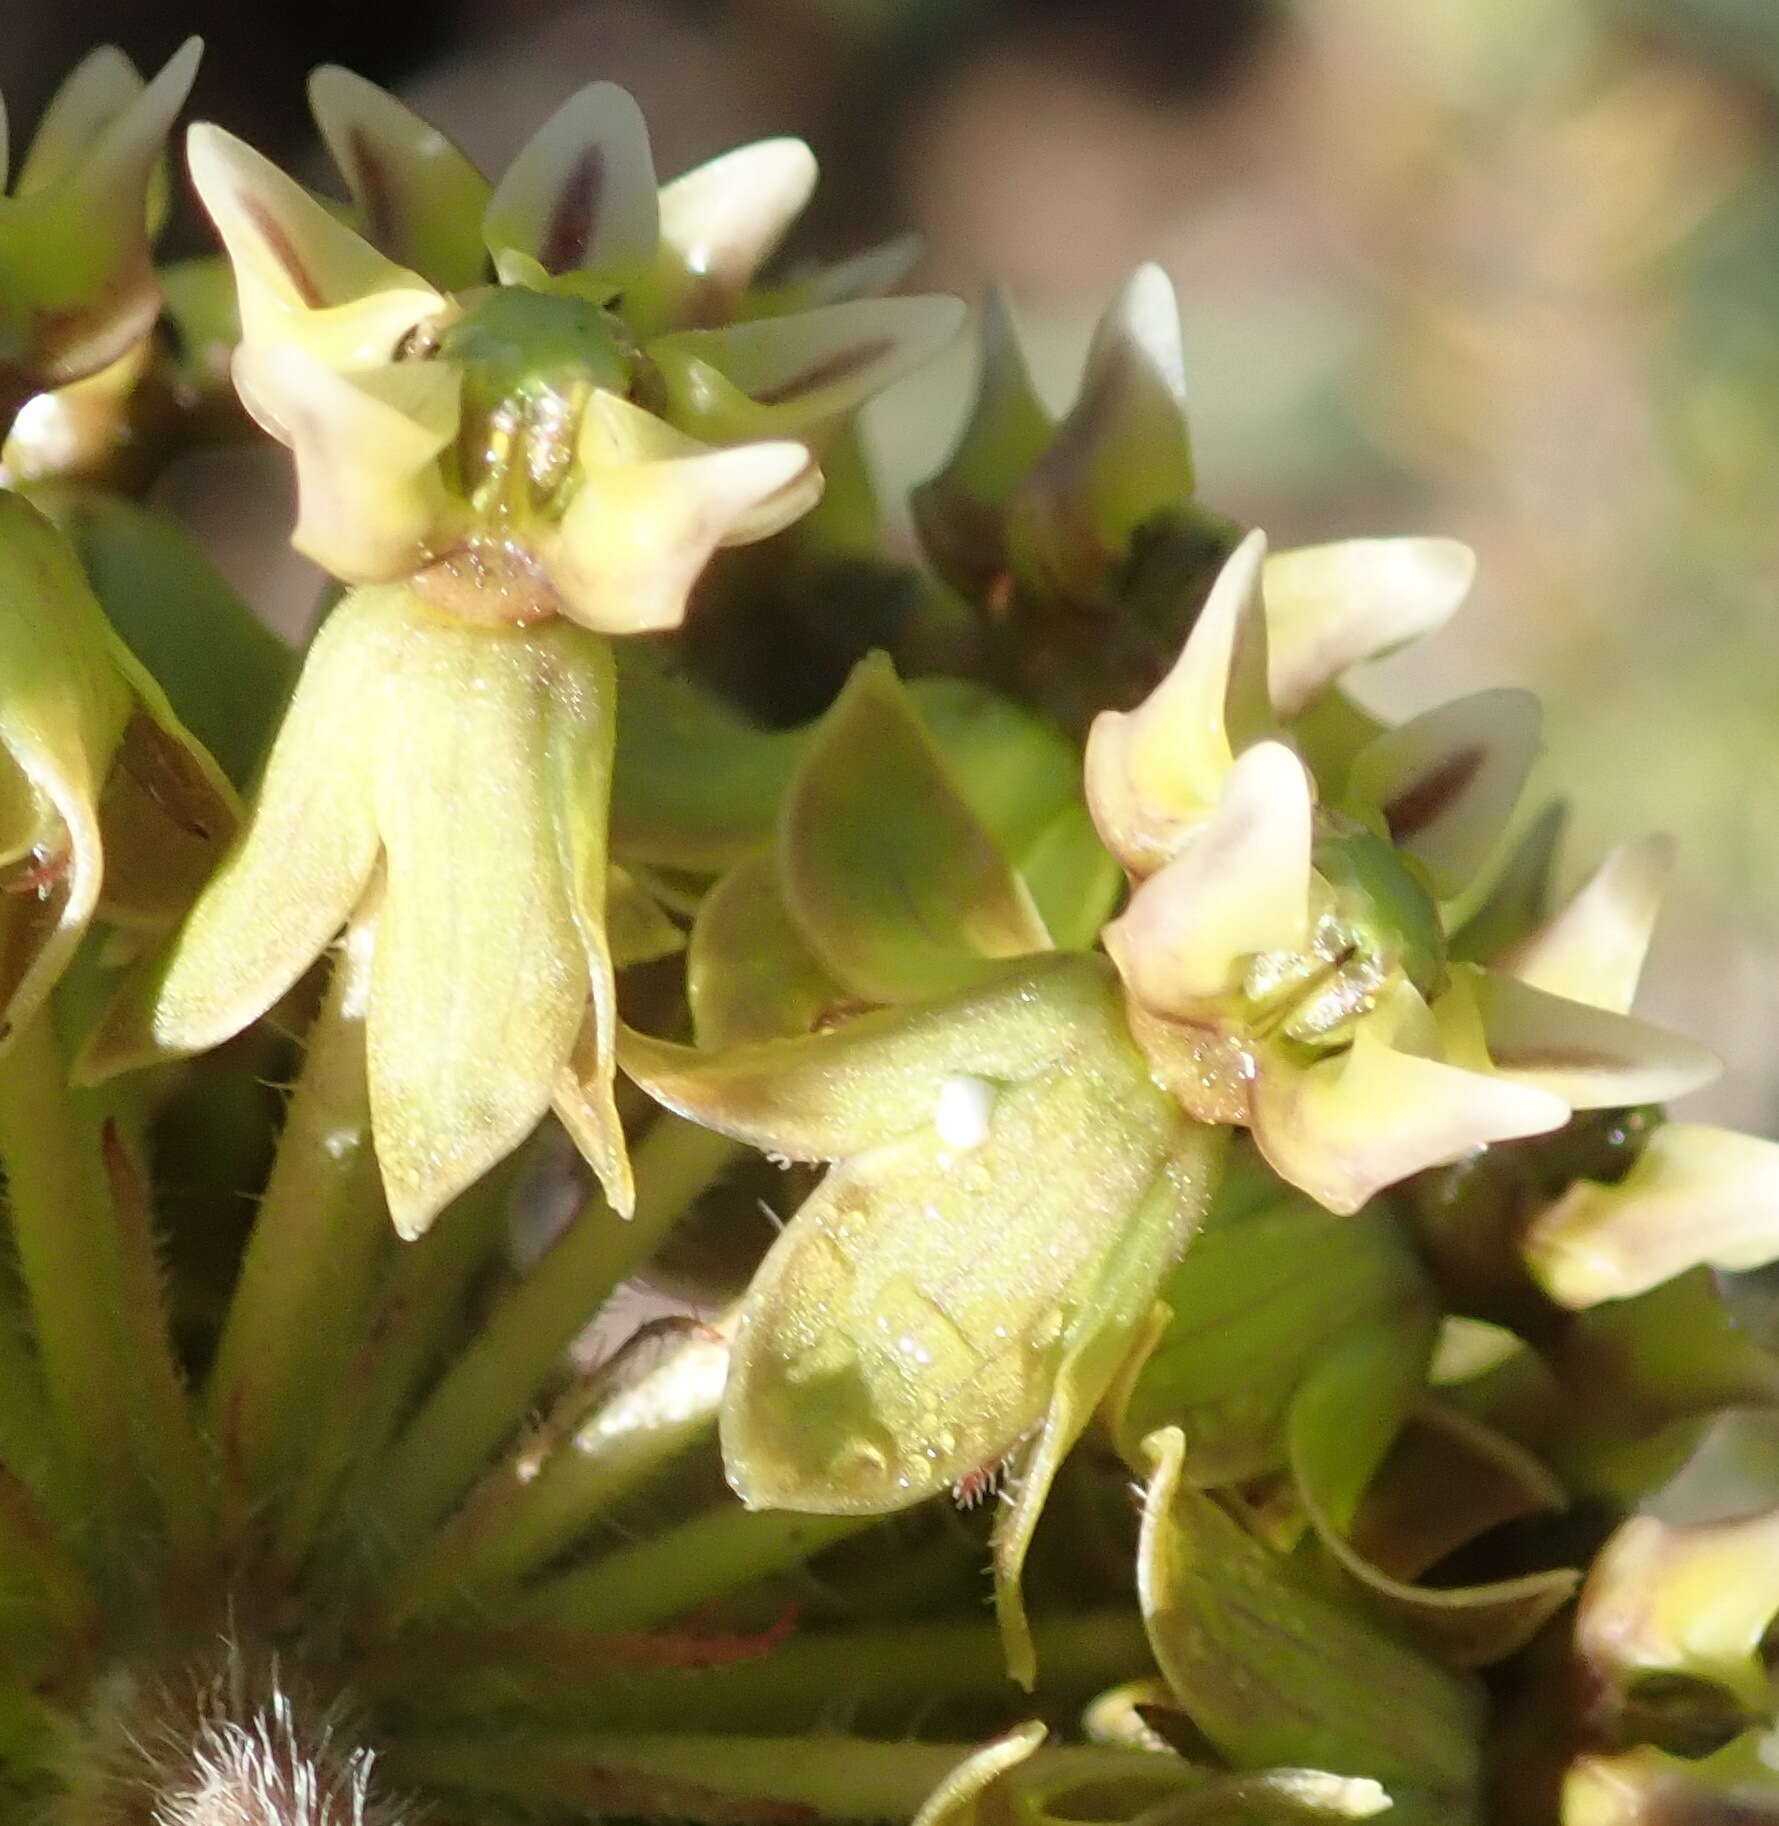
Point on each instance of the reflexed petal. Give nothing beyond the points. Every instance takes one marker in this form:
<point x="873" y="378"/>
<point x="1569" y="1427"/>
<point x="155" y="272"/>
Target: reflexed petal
<point x="877" y="1077"/>
<point x="641" y="528"/>
<point x="783" y="376"/>
<point x="1445" y="783"/>
<point x="370" y="498"/>
<point x="1328" y="607"/>
<point x="482" y="968"/>
<point x="1123" y="455"/>
<point x="1593" y="950"/>
<point x="581" y="195"/>
<point x="638" y="928"/>
<point x="908" y="1328"/>
<point x="295" y="873"/>
<point x="419" y="199"/>
<point x="77" y="281"/>
<point x="302" y="276"/>
<point x="961" y="511"/>
<point x="1275" y="1671"/>
<point x="1695" y="1194"/>
<point x="868" y="274"/>
<point x="894" y="883"/>
<point x="1346" y="1126"/>
<point x="98" y="89"/>
<point x="1156" y="772"/>
<point x="721" y="221"/>
<point x="1240" y="886"/>
<point x="1591" y="1058"/>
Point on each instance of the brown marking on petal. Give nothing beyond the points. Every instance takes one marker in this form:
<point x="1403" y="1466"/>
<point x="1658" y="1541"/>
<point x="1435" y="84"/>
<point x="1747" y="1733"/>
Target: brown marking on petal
<point x="1553" y="1057"/>
<point x="277" y="239"/>
<point x="841" y="365"/>
<point x="171" y="779"/>
<point x="376" y="194"/>
<point x="1425" y="801"/>
<point x="576" y="214"/>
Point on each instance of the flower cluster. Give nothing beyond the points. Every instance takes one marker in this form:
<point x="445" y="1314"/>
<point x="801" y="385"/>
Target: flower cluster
<point x="1185" y="1079"/>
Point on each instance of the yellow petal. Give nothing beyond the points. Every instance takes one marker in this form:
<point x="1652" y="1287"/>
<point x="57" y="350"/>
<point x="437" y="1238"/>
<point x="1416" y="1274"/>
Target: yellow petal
<point x="1155" y="773"/>
<point x="581" y="194"/>
<point x="1445" y="783"/>
<point x="302" y="275"/>
<point x="1695" y="1194"/>
<point x="1593" y="950"/>
<point x="419" y="199"/>
<point x="1346" y="1126"/>
<point x="1240" y="886"/>
<point x="640" y="531"/>
<point x="1329" y="607"/>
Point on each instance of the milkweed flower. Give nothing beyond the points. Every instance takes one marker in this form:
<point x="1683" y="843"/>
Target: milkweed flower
<point x="77" y="284"/>
<point x="1285" y="947"/>
<point x="577" y="437"/>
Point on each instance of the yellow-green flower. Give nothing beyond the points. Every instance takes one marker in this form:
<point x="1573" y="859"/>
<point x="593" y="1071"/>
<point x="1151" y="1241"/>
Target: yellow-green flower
<point x="570" y="439"/>
<point x="1285" y="944"/>
<point x="77" y="286"/>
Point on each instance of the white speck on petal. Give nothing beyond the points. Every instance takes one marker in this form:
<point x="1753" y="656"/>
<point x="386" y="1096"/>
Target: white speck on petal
<point x="963" y="1111"/>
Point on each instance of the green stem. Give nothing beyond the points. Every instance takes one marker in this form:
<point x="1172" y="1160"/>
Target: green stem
<point x="690" y="1778"/>
<point x="677" y="1570"/>
<point x="172" y="1452"/>
<point x="612" y="1439"/>
<point x="414" y="1318"/>
<point x="300" y="1302"/>
<point x="68" y="1261"/>
<point x="883" y="1679"/>
<point x="488" y="1392"/>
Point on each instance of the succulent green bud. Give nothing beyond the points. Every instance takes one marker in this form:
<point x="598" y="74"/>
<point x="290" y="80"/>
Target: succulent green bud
<point x="452" y="779"/>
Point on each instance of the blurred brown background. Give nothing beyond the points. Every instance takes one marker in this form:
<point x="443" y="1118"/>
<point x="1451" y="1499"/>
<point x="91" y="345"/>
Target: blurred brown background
<point x="1502" y="268"/>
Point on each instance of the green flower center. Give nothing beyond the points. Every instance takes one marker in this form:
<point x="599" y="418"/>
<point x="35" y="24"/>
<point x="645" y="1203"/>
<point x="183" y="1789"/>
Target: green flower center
<point x="531" y="361"/>
<point x="1375" y="920"/>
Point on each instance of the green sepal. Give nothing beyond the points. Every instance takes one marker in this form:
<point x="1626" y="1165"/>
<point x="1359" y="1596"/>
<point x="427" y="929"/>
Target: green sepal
<point x="1253" y="1306"/>
<point x="876" y="1077"/>
<point x="226" y="674"/>
<point x="1274" y="1671"/>
<point x="895" y="884"/>
<point x="106" y="802"/>
<point x="749" y="974"/>
<point x="1346" y="1416"/>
